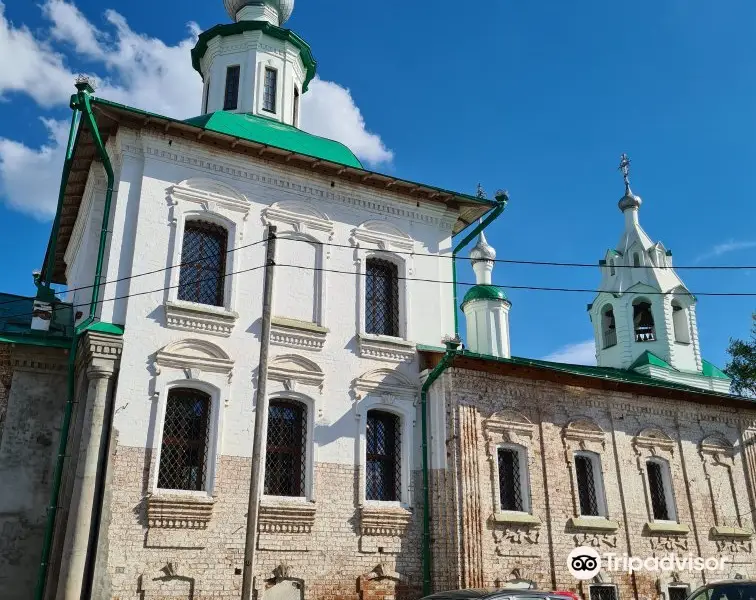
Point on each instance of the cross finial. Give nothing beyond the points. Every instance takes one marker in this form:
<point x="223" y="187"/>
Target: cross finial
<point x="481" y="193"/>
<point x="624" y="166"/>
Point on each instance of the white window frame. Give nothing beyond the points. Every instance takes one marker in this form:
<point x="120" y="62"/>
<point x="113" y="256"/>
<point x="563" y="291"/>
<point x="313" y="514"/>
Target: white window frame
<point x="406" y="412"/>
<point x="310" y="446"/>
<point x="238" y="88"/>
<point x="401" y="282"/>
<point x="598" y="483"/>
<point x="321" y="275"/>
<point x="212" y="452"/>
<point x="277" y="92"/>
<point x="522" y="457"/>
<point x="669" y="493"/>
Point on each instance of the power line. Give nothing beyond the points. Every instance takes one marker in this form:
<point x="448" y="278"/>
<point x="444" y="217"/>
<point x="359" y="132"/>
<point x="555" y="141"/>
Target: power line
<point x="105" y="281"/>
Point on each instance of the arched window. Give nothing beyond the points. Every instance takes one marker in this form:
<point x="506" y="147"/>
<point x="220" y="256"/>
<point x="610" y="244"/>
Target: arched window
<point x="680" y="323"/>
<point x="295" y="120"/>
<point x="203" y="263"/>
<point x="612" y="269"/>
<point x="285" y="458"/>
<point x="186" y="433"/>
<point x="660" y="490"/>
<point x="381" y="297"/>
<point x="643" y="321"/>
<point x="636" y="259"/>
<point x="383" y="439"/>
<point x="590" y="485"/>
<point x="608" y="326"/>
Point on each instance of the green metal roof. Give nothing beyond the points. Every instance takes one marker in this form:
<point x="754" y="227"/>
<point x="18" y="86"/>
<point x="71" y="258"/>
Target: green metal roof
<point x="484" y="292"/>
<point x="274" y="133"/>
<point x="710" y="370"/>
<point x="286" y="35"/>
<point x="606" y="373"/>
<point x="16" y="317"/>
<point x="649" y="358"/>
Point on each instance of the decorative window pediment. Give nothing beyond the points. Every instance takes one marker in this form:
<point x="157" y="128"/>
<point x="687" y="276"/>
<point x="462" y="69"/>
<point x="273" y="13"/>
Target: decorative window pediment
<point x="293" y="370"/>
<point x="385" y="383"/>
<point x="655" y="441"/>
<point x="302" y="216"/>
<point x="383" y="235"/>
<point x="210" y="194"/>
<point x="583" y="430"/>
<point x="194" y="356"/>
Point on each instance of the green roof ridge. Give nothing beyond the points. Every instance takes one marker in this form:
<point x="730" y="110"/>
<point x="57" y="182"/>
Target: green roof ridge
<point x="711" y="370"/>
<point x="649" y="358"/>
<point x="274" y="133"/>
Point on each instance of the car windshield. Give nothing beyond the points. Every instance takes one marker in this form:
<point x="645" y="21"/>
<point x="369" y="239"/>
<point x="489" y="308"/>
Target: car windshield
<point x="727" y="591"/>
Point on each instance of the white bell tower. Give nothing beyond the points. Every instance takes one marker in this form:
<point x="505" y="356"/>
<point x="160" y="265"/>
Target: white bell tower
<point x="645" y="318"/>
<point x="486" y="306"/>
<point x="254" y="65"/>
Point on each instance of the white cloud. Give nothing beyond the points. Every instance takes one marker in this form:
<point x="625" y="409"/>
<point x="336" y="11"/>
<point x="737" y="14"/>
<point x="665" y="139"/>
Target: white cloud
<point x="580" y="353"/>
<point x="329" y="110"/>
<point x="725" y="248"/>
<point x="133" y="69"/>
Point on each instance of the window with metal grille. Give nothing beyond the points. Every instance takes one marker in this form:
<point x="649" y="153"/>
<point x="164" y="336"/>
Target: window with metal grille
<point x="285" y="459"/>
<point x="203" y="263"/>
<point x="384" y="453"/>
<point x="658" y="490"/>
<point x="678" y="592"/>
<point x="296" y="107"/>
<point x="510" y="482"/>
<point x="270" y="89"/>
<point x="231" y="99"/>
<point x="603" y="592"/>
<point x="586" y="483"/>
<point x="381" y="297"/>
<point x="206" y="99"/>
<point x="186" y="434"/>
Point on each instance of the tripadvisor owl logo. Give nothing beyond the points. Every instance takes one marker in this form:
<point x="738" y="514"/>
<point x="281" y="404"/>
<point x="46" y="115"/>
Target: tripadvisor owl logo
<point x="584" y="563"/>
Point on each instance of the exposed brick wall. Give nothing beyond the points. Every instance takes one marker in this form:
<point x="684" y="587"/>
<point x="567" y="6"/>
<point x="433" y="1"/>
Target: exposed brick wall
<point x="6" y="374"/>
<point x="330" y="567"/>
<point x="493" y="553"/>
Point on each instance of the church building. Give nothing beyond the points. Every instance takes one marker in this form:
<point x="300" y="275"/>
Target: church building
<point x="256" y="386"/>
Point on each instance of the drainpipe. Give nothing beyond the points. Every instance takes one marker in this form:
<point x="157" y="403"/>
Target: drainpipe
<point x="501" y="203"/>
<point x="80" y="103"/>
<point x="452" y="346"/>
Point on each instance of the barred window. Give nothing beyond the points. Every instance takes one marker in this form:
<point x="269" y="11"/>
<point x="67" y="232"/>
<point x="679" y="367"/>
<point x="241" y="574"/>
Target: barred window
<point x="381" y="297"/>
<point x="603" y="592"/>
<point x="384" y="453"/>
<point x="206" y="99"/>
<point x="203" y="263"/>
<point x="295" y="120"/>
<point x="231" y="98"/>
<point x="585" y="470"/>
<point x="285" y="465"/>
<point x="270" y="89"/>
<point x="678" y="592"/>
<point x="186" y="434"/>
<point x="510" y="479"/>
<point x="658" y="486"/>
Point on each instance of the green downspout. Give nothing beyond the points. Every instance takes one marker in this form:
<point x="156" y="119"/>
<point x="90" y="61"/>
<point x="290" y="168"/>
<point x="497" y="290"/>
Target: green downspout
<point x="501" y="204"/>
<point x="80" y="103"/>
<point x="448" y="358"/>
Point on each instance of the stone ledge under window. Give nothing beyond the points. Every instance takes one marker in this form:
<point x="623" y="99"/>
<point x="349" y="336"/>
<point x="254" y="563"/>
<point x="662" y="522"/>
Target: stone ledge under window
<point x="294" y="333"/>
<point x="199" y="317"/>
<point x="286" y="517"/>
<point x="592" y="524"/>
<point x="513" y="518"/>
<point x="179" y="511"/>
<point x="381" y="347"/>
<point x="661" y="528"/>
<point x="386" y="522"/>
<point x="721" y="531"/>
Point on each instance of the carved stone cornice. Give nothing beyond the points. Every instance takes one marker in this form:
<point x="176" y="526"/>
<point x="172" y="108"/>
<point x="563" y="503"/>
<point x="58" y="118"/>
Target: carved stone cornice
<point x="38" y="360"/>
<point x="286" y="517"/>
<point x="384" y="348"/>
<point x="293" y="370"/>
<point x="386" y="522"/>
<point x="297" y="334"/>
<point x="201" y="318"/>
<point x="179" y="511"/>
<point x="101" y="347"/>
<point x="192" y="354"/>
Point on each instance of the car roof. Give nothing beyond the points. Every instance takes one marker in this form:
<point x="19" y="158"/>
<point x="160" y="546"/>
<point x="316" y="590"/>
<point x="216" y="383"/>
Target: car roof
<point x="482" y="593"/>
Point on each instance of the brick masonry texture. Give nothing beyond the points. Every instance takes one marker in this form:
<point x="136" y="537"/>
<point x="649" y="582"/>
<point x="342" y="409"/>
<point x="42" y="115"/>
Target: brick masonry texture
<point x="552" y="421"/>
<point x="6" y="373"/>
<point x="205" y="562"/>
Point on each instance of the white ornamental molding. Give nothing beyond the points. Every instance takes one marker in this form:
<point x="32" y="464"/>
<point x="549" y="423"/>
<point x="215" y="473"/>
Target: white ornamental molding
<point x="194" y="357"/>
<point x="654" y="441"/>
<point x="385" y="348"/>
<point x="303" y="217"/>
<point x="583" y="433"/>
<point x="180" y="511"/>
<point x="293" y="370"/>
<point x="200" y="317"/>
<point x="507" y="426"/>
<point x="297" y="334"/>
<point x="382" y="235"/>
<point x="389" y="385"/>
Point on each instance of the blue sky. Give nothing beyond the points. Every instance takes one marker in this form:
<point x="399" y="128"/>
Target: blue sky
<point x="539" y="98"/>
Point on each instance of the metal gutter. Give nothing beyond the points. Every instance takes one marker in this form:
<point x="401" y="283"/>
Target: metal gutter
<point x="79" y="103"/>
<point x="501" y="204"/>
<point x="451" y="351"/>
